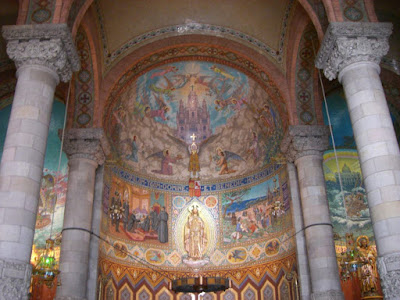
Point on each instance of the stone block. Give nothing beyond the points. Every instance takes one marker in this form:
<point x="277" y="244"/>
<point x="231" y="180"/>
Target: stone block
<point x="29" y="155"/>
<point x="10" y="233"/>
<point x="35" y="128"/>
<point x="19" y="140"/>
<point x="31" y="203"/>
<point x="13" y="199"/>
<point x="26" y="235"/>
<point x="20" y="217"/>
<point x="8" y="154"/>
<point x="15" y="168"/>
<point x="26" y="112"/>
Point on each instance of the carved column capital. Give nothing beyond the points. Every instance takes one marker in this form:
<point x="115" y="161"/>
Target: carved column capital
<point x="48" y="45"/>
<point x="89" y="143"/>
<point x="303" y="140"/>
<point x="346" y="43"/>
<point x="14" y="280"/>
<point x="389" y="271"/>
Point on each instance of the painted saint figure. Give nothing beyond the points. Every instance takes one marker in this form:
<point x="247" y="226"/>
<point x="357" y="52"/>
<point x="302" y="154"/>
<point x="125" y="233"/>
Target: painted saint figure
<point x="163" y="226"/>
<point x="222" y="159"/>
<point x="194" y="165"/>
<point x="367" y="257"/>
<point x="166" y="161"/>
<point x="195" y="237"/>
<point x="154" y="219"/>
<point x="126" y="213"/>
<point x="254" y="150"/>
<point x="116" y="210"/>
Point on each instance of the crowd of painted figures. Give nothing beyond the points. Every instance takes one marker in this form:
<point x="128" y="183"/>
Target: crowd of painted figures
<point x="155" y="221"/>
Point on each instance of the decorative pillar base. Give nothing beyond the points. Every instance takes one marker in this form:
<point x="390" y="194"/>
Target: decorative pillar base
<point x="15" y="279"/>
<point x="328" y="295"/>
<point x="389" y="272"/>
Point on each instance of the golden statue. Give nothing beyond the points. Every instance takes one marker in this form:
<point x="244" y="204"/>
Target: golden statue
<point x="195" y="237"/>
<point x="367" y="257"/>
<point x="194" y="165"/>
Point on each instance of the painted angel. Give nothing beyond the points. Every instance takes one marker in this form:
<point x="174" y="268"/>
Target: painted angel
<point x="193" y="152"/>
<point x="164" y="70"/>
<point x="166" y="161"/>
<point x="223" y="157"/>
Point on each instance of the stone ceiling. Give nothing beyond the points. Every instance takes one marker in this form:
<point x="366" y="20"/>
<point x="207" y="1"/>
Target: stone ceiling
<point x="127" y="24"/>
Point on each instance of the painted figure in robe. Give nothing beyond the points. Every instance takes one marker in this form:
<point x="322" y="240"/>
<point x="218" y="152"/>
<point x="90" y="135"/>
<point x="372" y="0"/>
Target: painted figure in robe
<point x="195" y="236"/>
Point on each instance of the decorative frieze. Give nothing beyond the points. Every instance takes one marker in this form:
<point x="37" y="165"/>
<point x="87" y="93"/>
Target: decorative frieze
<point x="49" y="45"/>
<point x="346" y="43"/>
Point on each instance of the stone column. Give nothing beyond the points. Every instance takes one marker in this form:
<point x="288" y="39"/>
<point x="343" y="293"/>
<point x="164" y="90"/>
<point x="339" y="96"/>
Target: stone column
<point x="354" y="50"/>
<point x="85" y="149"/>
<point x="301" y="250"/>
<point x="305" y="144"/>
<point x="43" y="55"/>
<point x="94" y="241"/>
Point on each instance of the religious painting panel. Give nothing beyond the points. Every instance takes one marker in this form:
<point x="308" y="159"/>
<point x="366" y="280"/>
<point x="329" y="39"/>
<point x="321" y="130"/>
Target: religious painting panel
<point x="344" y="183"/>
<point x="256" y="213"/>
<point x="135" y="214"/>
<point x="191" y="118"/>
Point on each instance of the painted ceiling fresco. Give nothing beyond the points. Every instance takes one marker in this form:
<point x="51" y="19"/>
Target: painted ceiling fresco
<point x="232" y="120"/>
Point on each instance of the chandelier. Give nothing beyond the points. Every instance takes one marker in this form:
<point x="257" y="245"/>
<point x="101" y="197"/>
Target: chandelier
<point x="200" y="284"/>
<point x="46" y="269"/>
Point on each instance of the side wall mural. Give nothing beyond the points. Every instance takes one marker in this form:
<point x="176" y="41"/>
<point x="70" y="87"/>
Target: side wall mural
<point x="353" y="232"/>
<point x="54" y="185"/>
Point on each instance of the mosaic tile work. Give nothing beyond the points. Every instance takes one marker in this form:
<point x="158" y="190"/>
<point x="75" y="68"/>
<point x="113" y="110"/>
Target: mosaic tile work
<point x="269" y="284"/>
<point x="241" y="227"/>
<point x="354" y="10"/>
<point x="305" y="71"/>
<point x="73" y="12"/>
<point x="198" y="53"/>
<point x="40" y="11"/>
<point x="235" y="124"/>
<point x="84" y="83"/>
<point x="320" y="11"/>
<point x="206" y="188"/>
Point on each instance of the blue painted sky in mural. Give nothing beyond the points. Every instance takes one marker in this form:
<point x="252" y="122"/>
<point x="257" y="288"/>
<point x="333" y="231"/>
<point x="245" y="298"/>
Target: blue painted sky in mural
<point x="340" y="118"/>
<point x="53" y="142"/>
<point x="4" y="117"/>
<point x="256" y="192"/>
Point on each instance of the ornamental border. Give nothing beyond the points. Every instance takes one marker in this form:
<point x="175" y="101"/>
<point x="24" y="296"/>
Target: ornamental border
<point x="183" y="188"/>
